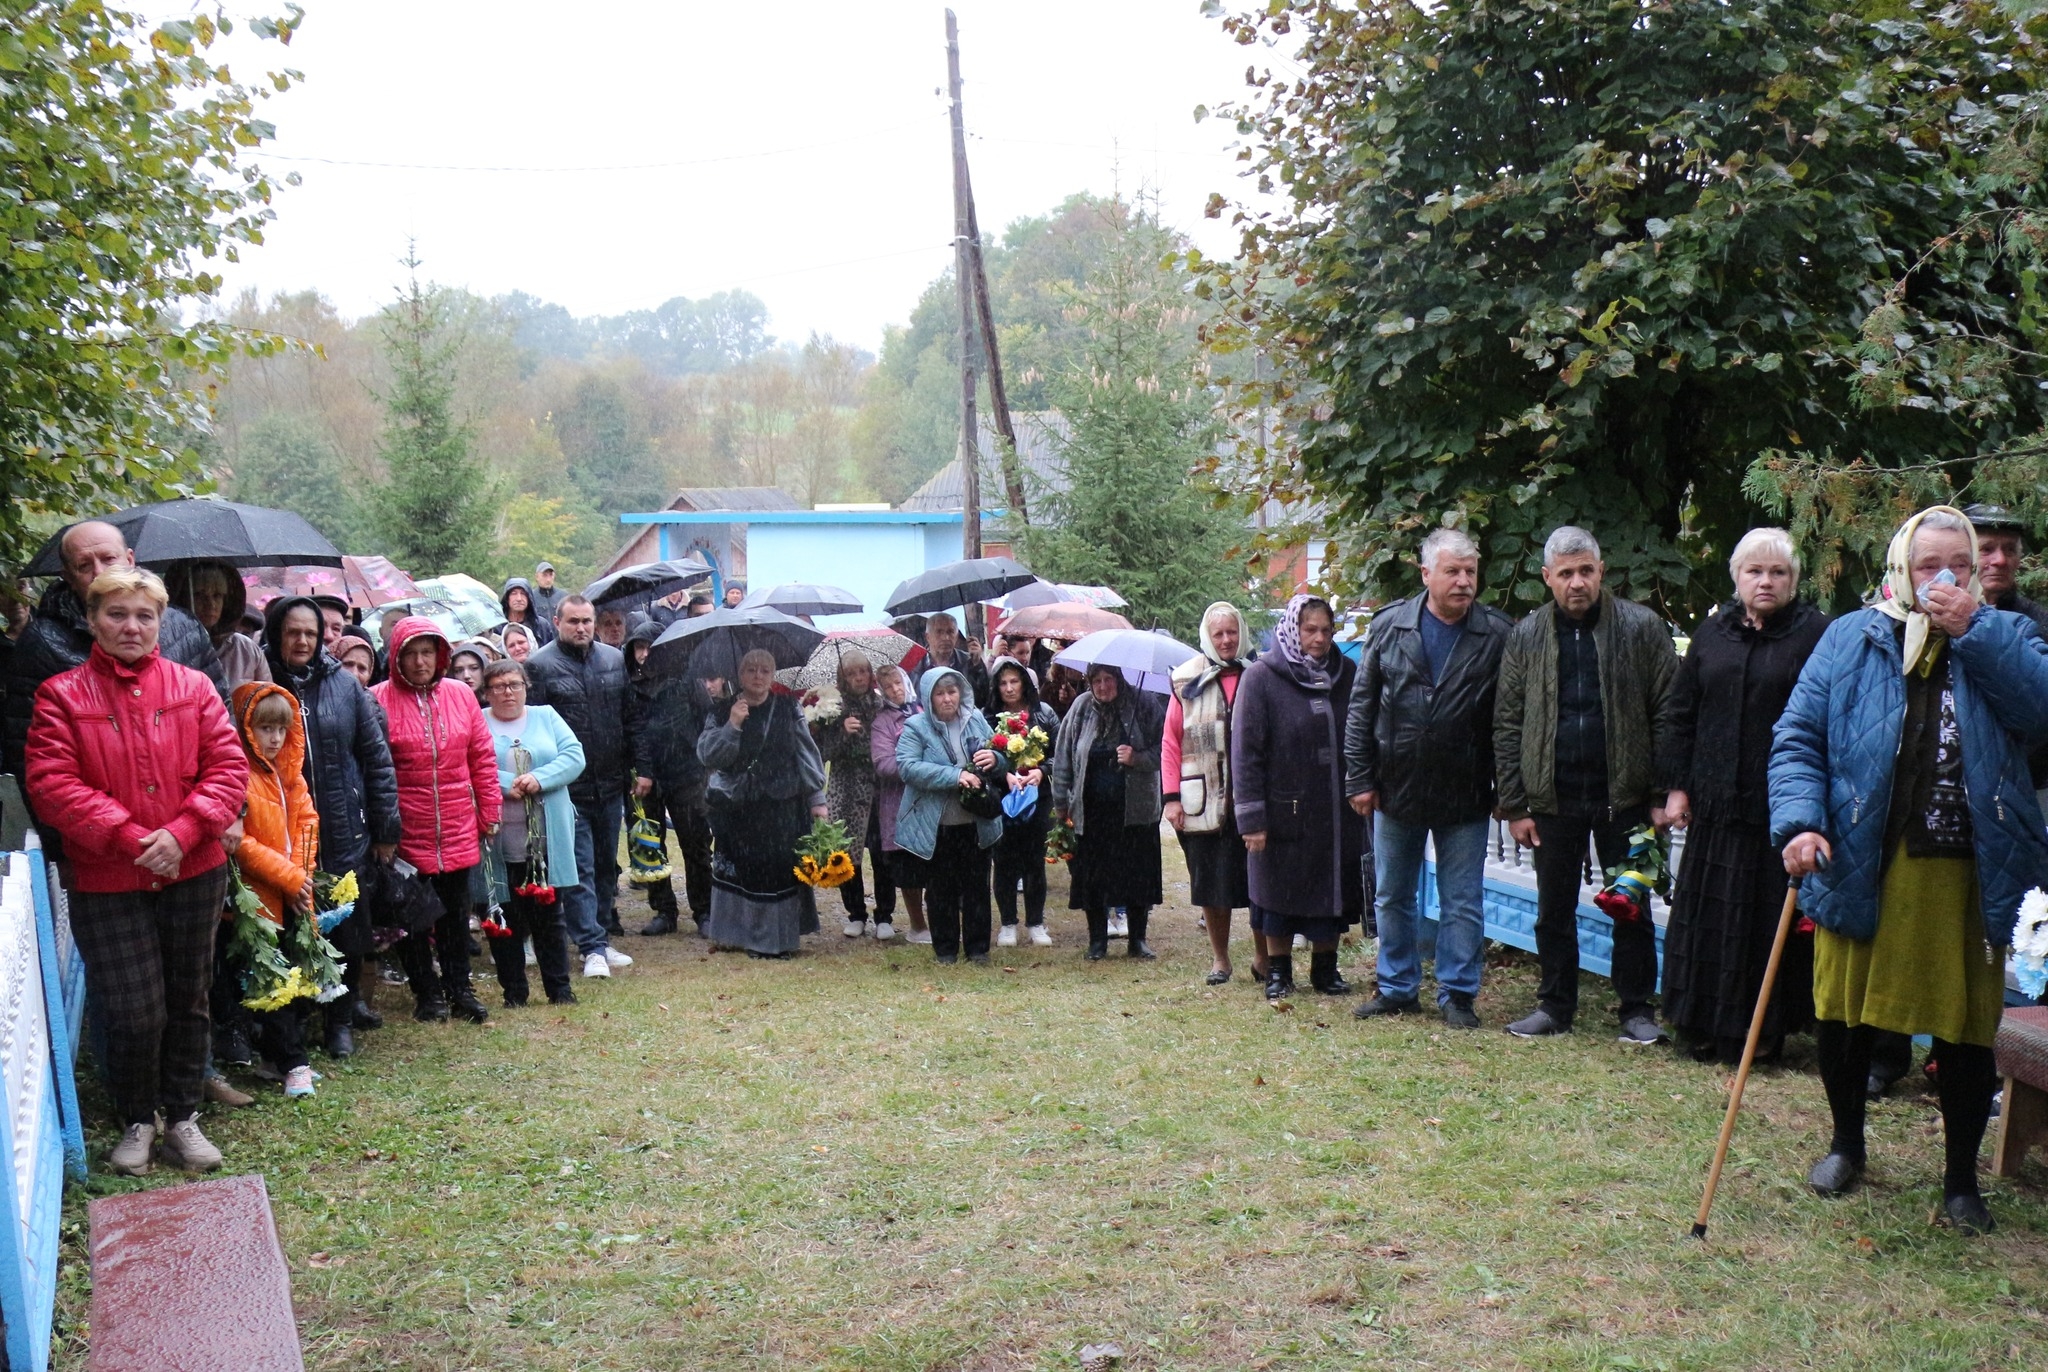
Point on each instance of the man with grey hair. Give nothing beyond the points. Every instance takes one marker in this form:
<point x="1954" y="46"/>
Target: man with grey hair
<point x="942" y="649"/>
<point x="1418" y="763"/>
<point x="1580" y="716"/>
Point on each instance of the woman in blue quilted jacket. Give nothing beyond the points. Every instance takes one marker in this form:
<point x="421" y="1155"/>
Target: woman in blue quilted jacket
<point x="1901" y="795"/>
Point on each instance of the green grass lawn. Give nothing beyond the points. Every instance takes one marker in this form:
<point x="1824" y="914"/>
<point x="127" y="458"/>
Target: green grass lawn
<point x="858" y="1159"/>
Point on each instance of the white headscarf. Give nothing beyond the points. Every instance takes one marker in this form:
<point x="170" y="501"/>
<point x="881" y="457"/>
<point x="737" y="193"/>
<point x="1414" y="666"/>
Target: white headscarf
<point x="1244" y="635"/>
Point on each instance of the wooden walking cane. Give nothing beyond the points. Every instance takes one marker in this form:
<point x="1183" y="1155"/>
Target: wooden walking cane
<point x="1756" y="1032"/>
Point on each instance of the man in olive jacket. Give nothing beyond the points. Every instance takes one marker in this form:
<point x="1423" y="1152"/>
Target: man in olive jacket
<point x="1582" y="706"/>
<point x="1418" y="762"/>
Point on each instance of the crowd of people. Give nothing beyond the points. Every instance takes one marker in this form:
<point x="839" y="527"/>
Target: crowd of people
<point x="1887" y="759"/>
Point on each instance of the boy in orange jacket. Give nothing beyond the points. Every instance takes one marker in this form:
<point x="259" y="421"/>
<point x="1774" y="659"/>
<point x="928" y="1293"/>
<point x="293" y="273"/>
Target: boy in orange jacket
<point x="280" y="841"/>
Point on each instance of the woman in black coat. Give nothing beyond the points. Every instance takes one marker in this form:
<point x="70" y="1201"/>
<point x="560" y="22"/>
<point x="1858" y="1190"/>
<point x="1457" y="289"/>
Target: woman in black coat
<point x="1020" y="853"/>
<point x="1730" y="690"/>
<point x="1287" y="784"/>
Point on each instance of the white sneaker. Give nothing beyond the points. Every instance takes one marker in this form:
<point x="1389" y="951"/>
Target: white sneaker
<point x="884" y="931"/>
<point x="614" y="958"/>
<point x="1039" y="936"/>
<point x="186" y="1149"/>
<point x="1300" y="941"/>
<point x="918" y="936"/>
<point x="854" y="928"/>
<point x="131" y="1155"/>
<point x="596" y="966"/>
<point x="1119" y="925"/>
<point x="532" y="959"/>
<point x="1006" y="937"/>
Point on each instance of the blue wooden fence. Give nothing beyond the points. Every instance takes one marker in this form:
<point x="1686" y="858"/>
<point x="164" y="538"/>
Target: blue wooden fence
<point x="42" y="1011"/>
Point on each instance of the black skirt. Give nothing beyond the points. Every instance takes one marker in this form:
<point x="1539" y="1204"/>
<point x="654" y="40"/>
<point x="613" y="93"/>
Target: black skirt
<point x="1218" y="871"/>
<point x="909" y="871"/>
<point x="1115" y="864"/>
<point x="1724" y="914"/>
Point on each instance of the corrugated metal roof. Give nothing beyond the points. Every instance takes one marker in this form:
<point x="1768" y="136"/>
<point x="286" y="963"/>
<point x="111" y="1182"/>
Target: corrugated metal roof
<point x="1038" y="434"/>
<point x="697" y="498"/>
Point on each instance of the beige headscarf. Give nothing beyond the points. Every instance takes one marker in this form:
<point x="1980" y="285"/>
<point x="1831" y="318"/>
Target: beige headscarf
<point x="1898" y="598"/>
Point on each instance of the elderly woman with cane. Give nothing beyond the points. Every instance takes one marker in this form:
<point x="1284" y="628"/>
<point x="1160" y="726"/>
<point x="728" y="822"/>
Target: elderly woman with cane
<point x="1900" y="793"/>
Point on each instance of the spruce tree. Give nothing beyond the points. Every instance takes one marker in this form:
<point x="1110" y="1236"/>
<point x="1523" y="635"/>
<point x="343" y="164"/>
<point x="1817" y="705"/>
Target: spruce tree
<point x="434" y="508"/>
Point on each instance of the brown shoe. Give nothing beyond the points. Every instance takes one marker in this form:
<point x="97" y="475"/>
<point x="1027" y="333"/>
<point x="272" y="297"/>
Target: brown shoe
<point x="220" y="1092"/>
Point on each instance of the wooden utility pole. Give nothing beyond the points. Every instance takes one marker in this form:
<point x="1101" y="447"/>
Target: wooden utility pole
<point x="998" y="396"/>
<point x="964" y="245"/>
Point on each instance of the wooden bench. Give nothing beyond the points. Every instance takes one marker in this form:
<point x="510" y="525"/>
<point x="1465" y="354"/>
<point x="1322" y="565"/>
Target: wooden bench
<point x="2022" y="1048"/>
<point x="191" y="1278"/>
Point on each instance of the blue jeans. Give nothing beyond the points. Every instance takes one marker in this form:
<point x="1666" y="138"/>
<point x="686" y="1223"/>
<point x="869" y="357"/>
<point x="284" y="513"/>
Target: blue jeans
<point x="585" y="905"/>
<point x="1461" y="895"/>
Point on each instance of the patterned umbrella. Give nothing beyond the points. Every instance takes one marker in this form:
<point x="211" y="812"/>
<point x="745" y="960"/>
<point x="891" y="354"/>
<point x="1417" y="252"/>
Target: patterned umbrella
<point x="1064" y="620"/>
<point x="364" y="582"/>
<point x="881" y="647"/>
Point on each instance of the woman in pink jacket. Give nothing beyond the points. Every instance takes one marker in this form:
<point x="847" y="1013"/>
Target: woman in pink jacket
<point x="448" y="801"/>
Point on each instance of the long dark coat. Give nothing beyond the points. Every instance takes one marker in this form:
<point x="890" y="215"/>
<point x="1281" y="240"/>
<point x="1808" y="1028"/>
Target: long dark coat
<point x="1287" y="781"/>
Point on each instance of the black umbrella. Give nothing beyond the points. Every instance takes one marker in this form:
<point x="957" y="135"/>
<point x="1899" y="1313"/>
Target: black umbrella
<point x="712" y="645"/>
<point x="958" y="583"/>
<point x="639" y="586"/>
<point x="804" y="598"/>
<point x="239" y="535"/>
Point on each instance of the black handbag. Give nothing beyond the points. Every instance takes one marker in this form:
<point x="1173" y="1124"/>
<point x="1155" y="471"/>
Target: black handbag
<point x="986" y="800"/>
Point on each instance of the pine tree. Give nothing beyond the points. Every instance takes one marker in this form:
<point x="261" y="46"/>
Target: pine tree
<point x="1140" y="423"/>
<point x="435" y="507"/>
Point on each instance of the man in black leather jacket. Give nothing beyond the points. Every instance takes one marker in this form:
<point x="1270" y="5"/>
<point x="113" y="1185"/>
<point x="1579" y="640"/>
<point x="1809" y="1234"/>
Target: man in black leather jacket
<point x="57" y="639"/>
<point x="585" y="682"/>
<point x="1418" y="753"/>
<point x="348" y="770"/>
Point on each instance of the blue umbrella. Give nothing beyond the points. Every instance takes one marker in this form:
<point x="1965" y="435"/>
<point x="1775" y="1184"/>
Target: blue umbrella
<point x="1146" y="660"/>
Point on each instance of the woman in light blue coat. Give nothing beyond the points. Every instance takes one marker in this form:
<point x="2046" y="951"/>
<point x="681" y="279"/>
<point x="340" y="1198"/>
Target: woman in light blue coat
<point x="940" y="752"/>
<point x="1901" y="795"/>
<point x="534" y="855"/>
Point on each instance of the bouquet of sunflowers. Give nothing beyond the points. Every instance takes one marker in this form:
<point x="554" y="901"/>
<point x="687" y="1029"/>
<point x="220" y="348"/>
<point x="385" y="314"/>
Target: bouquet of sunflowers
<point x="1059" y="840"/>
<point x="1626" y="896"/>
<point x="1019" y="742"/>
<point x="822" y="858"/>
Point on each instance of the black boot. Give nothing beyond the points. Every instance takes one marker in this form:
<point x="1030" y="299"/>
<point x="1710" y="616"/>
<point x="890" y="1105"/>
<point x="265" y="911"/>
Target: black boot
<point x="1323" y="973"/>
<point x="1140" y="917"/>
<point x="1279" y="975"/>
<point x="1098" y="934"/>
<point x="363" y="1017"/>
<point x="430" y="1009"/>
<point x="340" y="1038"/>
<point x="464" y="1001"/>
<point x="662" y="923"/>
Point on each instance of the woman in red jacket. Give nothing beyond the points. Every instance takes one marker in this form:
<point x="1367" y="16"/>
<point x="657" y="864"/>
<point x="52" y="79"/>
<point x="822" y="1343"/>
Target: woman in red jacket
<point x="448" y="799"/>
<point x="133" y="761"/>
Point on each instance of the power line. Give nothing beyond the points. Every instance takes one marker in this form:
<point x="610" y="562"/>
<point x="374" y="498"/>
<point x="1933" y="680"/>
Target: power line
<point x="599" y="170"/>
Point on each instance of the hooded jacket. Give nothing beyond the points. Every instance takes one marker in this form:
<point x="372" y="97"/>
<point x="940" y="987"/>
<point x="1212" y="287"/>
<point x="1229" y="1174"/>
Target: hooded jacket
<point x="883" y="735"/>
<point x="441" y="751"/>
<point x="541" y="622"/>
<point x="240" y="659"/>
<point x="116" y="752"/>
<point x="280" y="830"/>
<point x="931" y="774"/>
<point x="1425" y="745"/>
<point x="57" y="639"/>
<point x="348" y="754"/>
<point x="587" y="688"/>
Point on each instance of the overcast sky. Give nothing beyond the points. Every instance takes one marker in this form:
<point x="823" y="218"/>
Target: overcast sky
<point x="803" y="145"/>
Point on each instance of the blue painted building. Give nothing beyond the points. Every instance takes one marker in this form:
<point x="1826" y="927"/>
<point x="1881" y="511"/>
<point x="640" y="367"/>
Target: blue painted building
<point x="865" y="551"/>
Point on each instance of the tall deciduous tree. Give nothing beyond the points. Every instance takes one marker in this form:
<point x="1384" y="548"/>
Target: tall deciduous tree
<point x="1577" y="261"/>
<point x="1140" y="422"/>
<point x="435" y="506"/>
<point x="126" y="150"/>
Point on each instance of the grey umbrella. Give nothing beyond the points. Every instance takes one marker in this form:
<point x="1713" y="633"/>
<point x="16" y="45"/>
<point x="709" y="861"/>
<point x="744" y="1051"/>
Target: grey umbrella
<point x="711" y="645"/>
<point x="804" y="598"/>
<point x="637" y="587"/>
<point x="239" y="535"/>
<point x="958" y="583"/>
<point x="1146" y="659"/>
